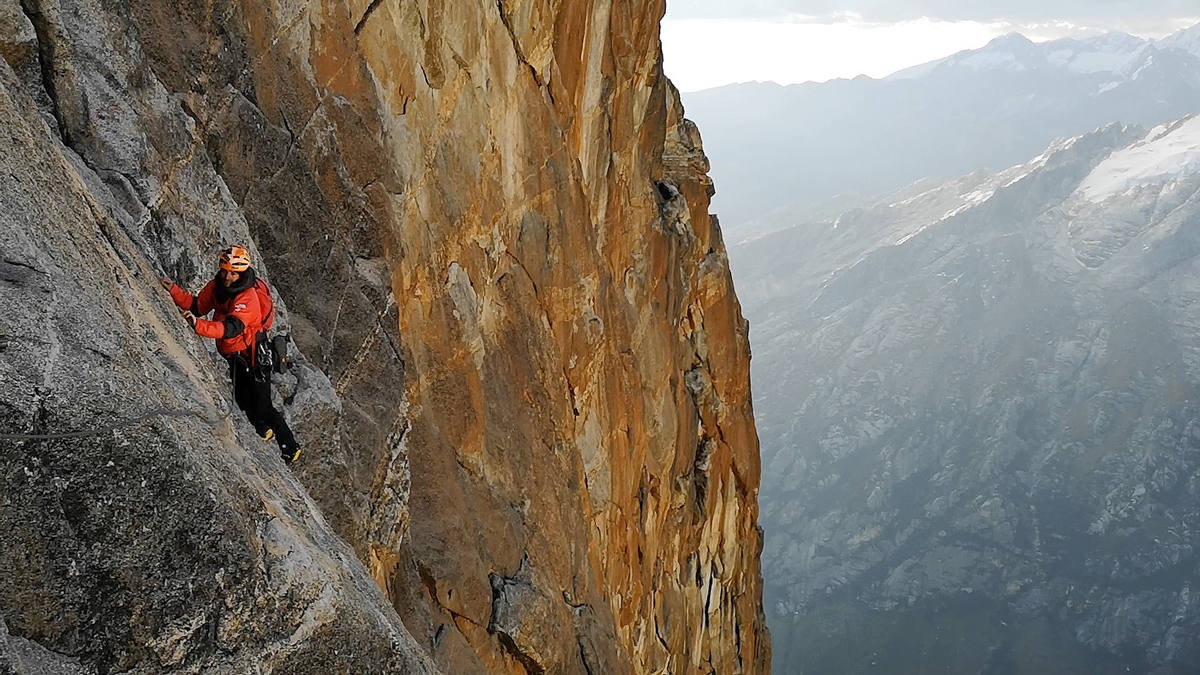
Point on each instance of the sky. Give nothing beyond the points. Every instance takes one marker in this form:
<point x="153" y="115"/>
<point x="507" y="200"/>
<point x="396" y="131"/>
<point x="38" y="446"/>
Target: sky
<point x="708" y="43"/>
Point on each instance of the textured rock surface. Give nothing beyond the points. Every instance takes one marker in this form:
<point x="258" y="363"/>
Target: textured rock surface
<point x="982" y="440"/>
<point x="138" y="532"/>
<point x="523" y="388"/>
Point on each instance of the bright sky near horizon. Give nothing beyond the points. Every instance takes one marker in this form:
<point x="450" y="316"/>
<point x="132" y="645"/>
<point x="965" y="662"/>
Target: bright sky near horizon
<point x="704" y="49"/>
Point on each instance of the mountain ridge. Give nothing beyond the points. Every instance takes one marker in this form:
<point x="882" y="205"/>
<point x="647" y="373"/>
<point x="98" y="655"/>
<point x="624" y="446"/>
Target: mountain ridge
<point x="1107" y="52"/>
<point x="808" y="151"/>
<point x="977" y="402"/>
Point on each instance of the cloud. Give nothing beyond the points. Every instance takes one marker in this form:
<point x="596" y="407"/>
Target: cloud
<point x="702" y="53"/>
<point x="1096" y="11"/>
<point x="790" y="52"/>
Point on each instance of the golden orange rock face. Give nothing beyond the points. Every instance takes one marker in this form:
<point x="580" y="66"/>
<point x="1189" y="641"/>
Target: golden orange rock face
<point x="549" y="461"/>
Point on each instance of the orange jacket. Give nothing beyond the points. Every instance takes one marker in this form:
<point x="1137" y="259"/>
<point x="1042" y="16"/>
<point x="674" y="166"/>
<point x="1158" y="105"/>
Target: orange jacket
<point x="237" y="314"/>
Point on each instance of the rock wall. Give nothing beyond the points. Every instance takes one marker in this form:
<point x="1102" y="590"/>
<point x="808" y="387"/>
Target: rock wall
<point x="523" y="384"/>
<point x="141" y="528"/>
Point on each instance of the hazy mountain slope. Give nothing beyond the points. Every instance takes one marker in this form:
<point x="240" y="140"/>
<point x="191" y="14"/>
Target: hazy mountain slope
<point x="779" y="153"/>
<point x="1187" y="40"/>
<point x="979" y="404"/>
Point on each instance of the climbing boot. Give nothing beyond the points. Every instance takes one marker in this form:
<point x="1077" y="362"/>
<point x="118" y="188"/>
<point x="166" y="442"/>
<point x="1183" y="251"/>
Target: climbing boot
<point x="289" y="453"/>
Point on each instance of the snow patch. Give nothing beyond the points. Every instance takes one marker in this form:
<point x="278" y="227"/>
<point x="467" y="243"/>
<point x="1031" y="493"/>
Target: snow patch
<point x="1167" y="153"/>
<point x="1022" y="171"/>
<point x="1102" y="58"/>
<point x="914" y="198"/>
<point x="1137" y="74"/>
<point x="984" y="60"/>
<point x="912" y="234"/>
<point x="970" y="201"/>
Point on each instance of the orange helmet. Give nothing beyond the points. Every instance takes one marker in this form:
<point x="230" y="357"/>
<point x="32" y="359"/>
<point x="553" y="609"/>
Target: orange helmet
<point x="235" y="259"/>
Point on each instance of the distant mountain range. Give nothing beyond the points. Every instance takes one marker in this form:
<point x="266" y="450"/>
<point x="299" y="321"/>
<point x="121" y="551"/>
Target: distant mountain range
<point x="979" y="406"/>
<point x="783" y="155"/>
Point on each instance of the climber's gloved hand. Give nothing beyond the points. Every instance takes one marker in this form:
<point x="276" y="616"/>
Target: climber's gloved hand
<point x="189" y="317"/>
<point x="166" y="283"/>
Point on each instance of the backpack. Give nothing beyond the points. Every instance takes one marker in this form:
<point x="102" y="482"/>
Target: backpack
<point x="264" y="301"/>
<point x="269" y="353"/>
<point x="262" y="357"/>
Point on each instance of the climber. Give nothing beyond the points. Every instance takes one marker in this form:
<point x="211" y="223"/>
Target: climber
<point x="242" y="311"/>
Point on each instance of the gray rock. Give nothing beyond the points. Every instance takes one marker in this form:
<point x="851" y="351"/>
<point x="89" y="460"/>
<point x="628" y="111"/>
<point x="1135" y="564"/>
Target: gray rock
<point x="26" y="657"/>
<point x="142" y="526"/>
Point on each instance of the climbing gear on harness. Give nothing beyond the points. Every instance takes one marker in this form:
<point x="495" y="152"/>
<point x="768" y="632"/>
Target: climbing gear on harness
<point x="235" y="259"/>
<point x="268" y="435"/>
<point x="279" y="352"/>
<point x="261" y="360"/>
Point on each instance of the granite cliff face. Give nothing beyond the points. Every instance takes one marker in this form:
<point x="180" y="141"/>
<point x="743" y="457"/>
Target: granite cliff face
<point x="523" y="375"/>
<point x="982" y="445"/>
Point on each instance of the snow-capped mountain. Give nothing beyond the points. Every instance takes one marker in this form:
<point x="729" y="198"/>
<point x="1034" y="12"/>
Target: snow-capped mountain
<point x="1188" y="40"/>
<point x="979" y="408"/>
<point x="1119" y="54"/>
<point x="1111" y="53"/>
<point x="779" y="153"/>
<point x="1168" y="154"/>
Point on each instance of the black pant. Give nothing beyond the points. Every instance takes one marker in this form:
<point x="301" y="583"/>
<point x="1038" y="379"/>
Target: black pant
<point x="253" y="396"/>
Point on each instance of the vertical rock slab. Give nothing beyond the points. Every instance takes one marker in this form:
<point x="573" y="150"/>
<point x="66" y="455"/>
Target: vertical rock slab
<point x="577" y="362"/>
<point x="140" y="526"/>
